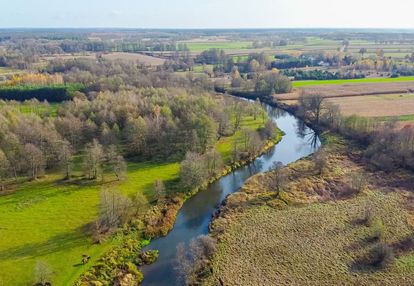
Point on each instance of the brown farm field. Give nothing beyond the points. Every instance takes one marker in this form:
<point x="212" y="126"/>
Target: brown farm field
<point x="384" y="105"/>
<point x="145" y="59"/>
<point x="351" y="89"/>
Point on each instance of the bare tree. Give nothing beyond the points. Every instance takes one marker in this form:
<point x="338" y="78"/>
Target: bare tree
<point x="193" y="170"/>
<point x="192" y="263"/>
<point x="116" y="162"/>
<point x="114" y="210"/>
<point x="65" y="158"/>
<point x="311" y="107"/>
<point x="94" y="158"/>
<point x="42" y="274"/>
<point x="279" y="178"/>
<point x="160" y="191"/>
<point x="4" y="169"/>
<point x="35" y="159"/>
<point x="213" y="161"/>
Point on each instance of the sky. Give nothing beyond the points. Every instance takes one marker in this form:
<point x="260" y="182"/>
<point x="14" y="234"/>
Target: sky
<point x="207" y="13"/>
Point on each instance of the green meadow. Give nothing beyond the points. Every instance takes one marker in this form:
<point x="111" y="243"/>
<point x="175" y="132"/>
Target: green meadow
<point x="202" y="46"/>
<point x="344" y="81"/>
<point x="48" y="219"/>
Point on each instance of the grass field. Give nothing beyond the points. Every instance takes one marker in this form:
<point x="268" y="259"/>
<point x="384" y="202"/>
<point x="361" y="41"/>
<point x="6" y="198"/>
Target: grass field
<point x="47" y="220"/>
<point x="346" y="81"/>
<point x="51" y="109"/>
<point x="225" y="145"/>
<point x="227" y="45"/>
<point x="312" y="245"/>
<point x="314" y="232"/>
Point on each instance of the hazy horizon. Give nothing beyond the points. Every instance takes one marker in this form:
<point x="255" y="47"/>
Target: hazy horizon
<point x="203" y="14"/>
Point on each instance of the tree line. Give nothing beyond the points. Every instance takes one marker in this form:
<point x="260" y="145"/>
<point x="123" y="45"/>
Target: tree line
<point x="144" y="124"/>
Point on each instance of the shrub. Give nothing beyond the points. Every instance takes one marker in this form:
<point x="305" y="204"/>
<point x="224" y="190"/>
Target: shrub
<point x="147" y="257"/>
<point x="381" y="255"/>
<point x="357" y="182"/>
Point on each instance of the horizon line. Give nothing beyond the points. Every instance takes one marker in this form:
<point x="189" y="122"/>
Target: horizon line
<point x="204" y="28"/>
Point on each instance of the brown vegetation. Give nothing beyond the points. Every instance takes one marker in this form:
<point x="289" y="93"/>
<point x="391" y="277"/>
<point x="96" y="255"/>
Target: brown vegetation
<point x="351" y="89"/>
<point x="265" y="240"/>
<point x="378" y="105"/>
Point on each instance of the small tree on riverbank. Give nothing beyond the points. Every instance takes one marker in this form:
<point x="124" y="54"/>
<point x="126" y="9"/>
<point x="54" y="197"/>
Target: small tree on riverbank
<point x="279" y="178"/>
<point x="193" y="170"/>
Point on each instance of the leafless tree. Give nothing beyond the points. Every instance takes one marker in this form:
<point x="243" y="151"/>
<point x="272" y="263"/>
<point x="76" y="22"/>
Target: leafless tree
<point x="42" y="273"/>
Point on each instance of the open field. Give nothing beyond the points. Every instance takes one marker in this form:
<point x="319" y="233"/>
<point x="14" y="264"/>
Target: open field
<point x="341" y="89"/>
<point x="48" y="220"/>
<point x="320" y="240"/>
<point x="50" y="109"/>
<point x="224" y="45"/>
<point x="145" y="59"/>
<point x="377" y="105"/>
<point x="346" y="81"/>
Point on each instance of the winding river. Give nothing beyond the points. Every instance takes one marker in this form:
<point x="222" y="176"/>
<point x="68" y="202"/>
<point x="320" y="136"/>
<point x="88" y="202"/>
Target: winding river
<point x="194" y="217"/>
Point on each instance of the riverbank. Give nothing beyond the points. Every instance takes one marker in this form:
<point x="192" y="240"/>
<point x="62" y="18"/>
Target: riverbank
<point x="330" y="208"/>
<point x="195" y="215"/>
<point x="120" y="263"/>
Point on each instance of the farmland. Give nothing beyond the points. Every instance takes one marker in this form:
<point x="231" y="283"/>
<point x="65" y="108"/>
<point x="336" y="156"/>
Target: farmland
<point x="395" y="105"/>
<point x="224" y="45"/>
<point x="144" y="59"/>
<point x="349" y="81"/>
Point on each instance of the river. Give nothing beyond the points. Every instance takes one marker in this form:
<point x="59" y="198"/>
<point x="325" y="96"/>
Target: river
<point x="193" y="219"/>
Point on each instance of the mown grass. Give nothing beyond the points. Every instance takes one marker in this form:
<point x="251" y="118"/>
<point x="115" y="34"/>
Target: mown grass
<point x="202" y="46"/>
<point x="48" y="219"/>
<point x="314" y="245"/>
<point x="344" y="81"/>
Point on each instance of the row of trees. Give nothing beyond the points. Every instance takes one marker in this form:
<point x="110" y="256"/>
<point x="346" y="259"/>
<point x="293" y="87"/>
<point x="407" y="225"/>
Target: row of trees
<point x="145" y="124"/>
